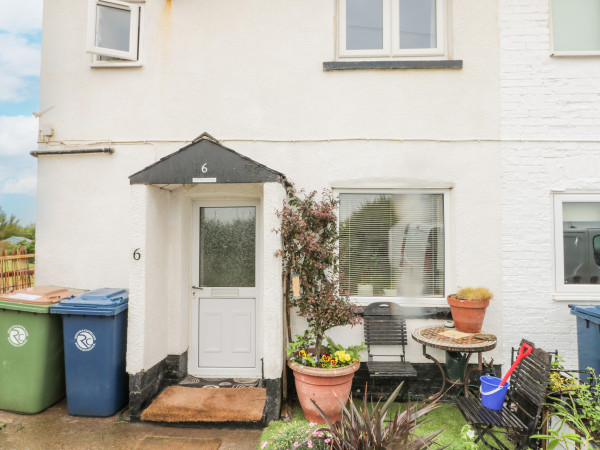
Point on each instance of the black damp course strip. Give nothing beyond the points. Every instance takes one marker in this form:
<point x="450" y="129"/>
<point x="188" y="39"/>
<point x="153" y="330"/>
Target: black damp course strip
<point x="419" y="312"/>
<point x="393" y="65"/>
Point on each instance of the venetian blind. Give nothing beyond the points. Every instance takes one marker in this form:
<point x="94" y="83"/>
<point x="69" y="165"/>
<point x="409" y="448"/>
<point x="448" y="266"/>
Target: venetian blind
<point x="392" y="244"/>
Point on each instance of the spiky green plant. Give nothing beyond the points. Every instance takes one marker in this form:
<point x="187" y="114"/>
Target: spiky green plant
<point x="367" y="427"/>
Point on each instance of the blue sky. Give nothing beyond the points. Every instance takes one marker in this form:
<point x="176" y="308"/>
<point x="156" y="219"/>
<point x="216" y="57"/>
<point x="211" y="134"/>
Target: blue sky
<point x="20" y="42"/>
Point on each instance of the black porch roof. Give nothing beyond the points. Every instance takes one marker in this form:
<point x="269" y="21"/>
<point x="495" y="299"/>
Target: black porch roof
<point x="205" y="160"/>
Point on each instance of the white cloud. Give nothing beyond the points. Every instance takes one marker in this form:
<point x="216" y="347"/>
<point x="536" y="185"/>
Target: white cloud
<point x="19" y="56"/>
<point x="20" y="24"/>
<point x="18" y="59"/>
<point x="25" y="183"/>
<point x="12" y="88"/>
<point x="18" y="135"/>
<point x="21" y="16"/>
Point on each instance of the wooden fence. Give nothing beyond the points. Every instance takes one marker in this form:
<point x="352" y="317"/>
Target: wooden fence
<point x="16" y="270"/>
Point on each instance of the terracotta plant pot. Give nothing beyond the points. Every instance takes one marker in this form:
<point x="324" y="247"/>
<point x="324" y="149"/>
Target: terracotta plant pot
<point x="324" y="386"/>
<point x="468" y="315"/>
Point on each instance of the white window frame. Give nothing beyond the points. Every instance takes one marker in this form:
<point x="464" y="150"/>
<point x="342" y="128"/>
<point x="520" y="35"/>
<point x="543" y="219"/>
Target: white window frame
<point x="568" y="292"/>
<point x="554" y="52"/>
<point x="409" y="301"/>
<point x="391" y="38"/>
<point x="135" y="27"/>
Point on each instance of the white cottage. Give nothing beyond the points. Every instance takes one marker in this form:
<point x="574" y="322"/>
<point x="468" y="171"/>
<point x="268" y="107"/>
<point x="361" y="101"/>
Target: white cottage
<point x="389" y="101"/>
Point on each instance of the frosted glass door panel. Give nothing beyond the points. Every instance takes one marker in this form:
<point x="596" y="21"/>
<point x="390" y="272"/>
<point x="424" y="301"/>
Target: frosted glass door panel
<point x="227" y="246"/>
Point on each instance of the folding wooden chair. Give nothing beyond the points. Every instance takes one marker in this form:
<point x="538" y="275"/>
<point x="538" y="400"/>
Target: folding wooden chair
<point x="521" y="415"/>
<point x="385" y="325"/>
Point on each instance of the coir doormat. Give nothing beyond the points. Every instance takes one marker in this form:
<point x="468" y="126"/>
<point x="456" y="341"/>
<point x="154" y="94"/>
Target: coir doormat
<point x="185" y="404"/>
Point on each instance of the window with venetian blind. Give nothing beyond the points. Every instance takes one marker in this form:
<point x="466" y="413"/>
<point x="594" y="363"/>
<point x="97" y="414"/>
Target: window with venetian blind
<point x="393" y="243"/>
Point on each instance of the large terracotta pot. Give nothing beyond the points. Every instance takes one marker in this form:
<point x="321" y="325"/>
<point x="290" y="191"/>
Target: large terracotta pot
<point x="468" y="315"/>
<point x="324" y="386"/>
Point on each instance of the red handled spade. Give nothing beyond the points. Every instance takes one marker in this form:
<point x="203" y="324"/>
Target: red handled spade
<point x="525" y="350"/>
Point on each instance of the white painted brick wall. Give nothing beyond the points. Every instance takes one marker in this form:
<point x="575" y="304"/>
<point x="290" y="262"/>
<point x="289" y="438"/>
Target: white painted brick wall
<point x="545" y="102"/>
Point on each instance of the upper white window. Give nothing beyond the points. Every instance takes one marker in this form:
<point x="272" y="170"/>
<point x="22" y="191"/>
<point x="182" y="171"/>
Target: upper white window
<point x="393" y="243"/>
<point x="391" y="28"/>
<point x="576" y="27"/>
<point x="577" y="243"/>
<point x="113" y="30"/>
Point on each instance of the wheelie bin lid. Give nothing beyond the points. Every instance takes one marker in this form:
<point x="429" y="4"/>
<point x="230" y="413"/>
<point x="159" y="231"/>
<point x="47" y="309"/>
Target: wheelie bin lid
<point x="36" y="299"/>
<point x="98" y="302"/>
<point x="588" y="312"/>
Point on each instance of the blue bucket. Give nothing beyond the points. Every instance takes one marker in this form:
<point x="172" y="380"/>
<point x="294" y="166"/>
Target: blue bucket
<point x="492" y="394"/>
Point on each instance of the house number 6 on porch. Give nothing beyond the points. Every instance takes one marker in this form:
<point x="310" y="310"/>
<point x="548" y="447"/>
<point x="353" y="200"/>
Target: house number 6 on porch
<point x="204" y="170"/>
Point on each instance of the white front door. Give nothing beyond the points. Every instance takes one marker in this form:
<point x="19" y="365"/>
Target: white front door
<point x="224" y="294"/>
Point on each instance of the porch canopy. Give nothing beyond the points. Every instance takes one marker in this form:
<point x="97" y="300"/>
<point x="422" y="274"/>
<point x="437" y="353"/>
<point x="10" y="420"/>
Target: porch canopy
<point x="205" y="160"/>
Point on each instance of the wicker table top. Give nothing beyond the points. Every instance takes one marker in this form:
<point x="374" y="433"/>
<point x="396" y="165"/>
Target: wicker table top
<point x="473" y="342"/>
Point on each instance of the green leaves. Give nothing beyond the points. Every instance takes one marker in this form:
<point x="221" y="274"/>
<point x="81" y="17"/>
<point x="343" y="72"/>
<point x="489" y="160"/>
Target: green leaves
<point x="576" y="418"/>
<point x="368" y="427"/>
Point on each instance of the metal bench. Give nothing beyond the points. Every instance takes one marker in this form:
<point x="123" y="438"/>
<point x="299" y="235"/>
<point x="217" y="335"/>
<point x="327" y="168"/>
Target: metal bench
<point x="384" y="324"/>
<point x="521" y="415"/>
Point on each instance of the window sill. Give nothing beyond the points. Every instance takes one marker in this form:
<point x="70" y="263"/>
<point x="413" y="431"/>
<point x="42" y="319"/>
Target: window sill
<point x="577" y="298"/>
<point x="113" y="64"/>
<point x="393" y="65"/>
<point x="586" y="53"/>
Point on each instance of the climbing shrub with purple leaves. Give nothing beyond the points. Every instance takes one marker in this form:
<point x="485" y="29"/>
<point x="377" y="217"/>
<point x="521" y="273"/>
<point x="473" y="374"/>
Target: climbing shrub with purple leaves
<point x="309" y="251"/>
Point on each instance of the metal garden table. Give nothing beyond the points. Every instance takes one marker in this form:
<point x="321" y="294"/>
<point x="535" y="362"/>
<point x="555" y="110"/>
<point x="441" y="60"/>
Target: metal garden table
<point x="466" y="343"/>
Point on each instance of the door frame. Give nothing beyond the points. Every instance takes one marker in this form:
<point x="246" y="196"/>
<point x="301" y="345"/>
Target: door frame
<point x="193" y="369"/>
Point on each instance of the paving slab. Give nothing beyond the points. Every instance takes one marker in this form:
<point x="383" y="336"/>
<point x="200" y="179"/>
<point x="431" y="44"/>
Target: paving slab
<point x="54" y="428"/>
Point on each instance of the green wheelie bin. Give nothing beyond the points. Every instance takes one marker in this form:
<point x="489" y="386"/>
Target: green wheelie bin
<point x="32" y="374"/>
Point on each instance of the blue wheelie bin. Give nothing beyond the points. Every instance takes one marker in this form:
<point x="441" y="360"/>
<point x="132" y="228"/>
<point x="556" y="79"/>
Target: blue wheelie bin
<point x="95" y="336"/>
<point x="588" y="336"/>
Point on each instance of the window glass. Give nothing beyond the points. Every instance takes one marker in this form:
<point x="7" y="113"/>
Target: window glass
<point x="581" y="242"/>
<point x="576" y="25"/>
<point x="392" y="244"/>
<point x="113" y="27"/>
<point x="364" y="24"/>
<point x="227" y="246"/>
<point x="417" y="24"/>
<point x="596" y="244"/>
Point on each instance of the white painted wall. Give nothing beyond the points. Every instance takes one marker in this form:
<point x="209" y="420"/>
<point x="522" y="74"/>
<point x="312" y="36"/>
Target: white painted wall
<point x="148" y="330"/>
<point x="271" y="313"/>
<point x="249" y="70"/>
<point x="551" y="127"/>
<point x="251" y="74"/>
<point x="84" y="219"/>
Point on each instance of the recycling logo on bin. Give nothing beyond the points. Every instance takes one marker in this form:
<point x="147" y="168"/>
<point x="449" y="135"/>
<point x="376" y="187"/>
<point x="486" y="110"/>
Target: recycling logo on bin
<point x="17" y="335"/>
<point x="85" y="340"/>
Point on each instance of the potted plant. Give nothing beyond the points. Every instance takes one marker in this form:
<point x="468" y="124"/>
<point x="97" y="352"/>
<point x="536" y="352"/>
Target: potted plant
<point x="309" y="252"/>
<point x="468" y="307"/>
